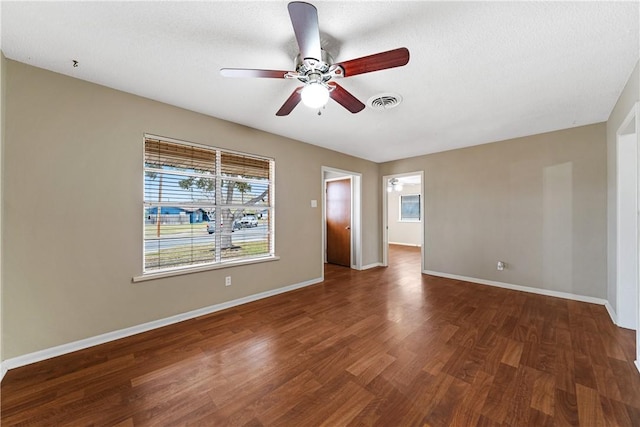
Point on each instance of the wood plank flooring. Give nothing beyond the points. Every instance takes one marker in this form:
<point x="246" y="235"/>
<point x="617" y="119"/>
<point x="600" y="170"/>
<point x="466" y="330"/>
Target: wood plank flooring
<point x="386" y="346"/>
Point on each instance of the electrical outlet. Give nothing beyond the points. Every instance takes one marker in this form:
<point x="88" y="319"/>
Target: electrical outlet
<point x="227" y="281"/>
<point x="500" y="266"/>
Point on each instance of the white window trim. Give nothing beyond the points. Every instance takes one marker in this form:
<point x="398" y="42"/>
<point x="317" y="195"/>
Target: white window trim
<point x="179" y="271"/>
<point x="400" y="196"/>
<point x="216" y="265"/>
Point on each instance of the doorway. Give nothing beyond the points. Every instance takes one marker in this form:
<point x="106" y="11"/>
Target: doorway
<point x="627" y="223"/>
<point x="346" y="234"/>
<point x="403" y="215"/>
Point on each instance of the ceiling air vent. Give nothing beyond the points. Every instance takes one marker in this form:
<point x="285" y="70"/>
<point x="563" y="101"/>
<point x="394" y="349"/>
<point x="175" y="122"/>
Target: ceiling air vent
<point x="384" y="101"/>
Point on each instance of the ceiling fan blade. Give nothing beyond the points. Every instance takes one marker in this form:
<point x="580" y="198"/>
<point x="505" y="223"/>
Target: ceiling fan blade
<point x="304" y="17"/>
<point x="247" y="72"/>
<point x="344" y="98"/>
<point x="290" y="103"/>
<point x="378" y="61"/>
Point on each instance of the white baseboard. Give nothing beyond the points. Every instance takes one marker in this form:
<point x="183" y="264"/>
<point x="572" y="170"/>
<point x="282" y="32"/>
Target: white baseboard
<point x="49" y="353"/>
<point x="612" y="313"/>
<point x="547" y="292"/>
<point x="3" y="370"/>
<point x="405" y="244"/>
<point x="637" y="365"/>
<point x="374" y="265"/>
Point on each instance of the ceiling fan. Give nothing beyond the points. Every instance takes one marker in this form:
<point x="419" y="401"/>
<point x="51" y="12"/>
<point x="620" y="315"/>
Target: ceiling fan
<point x="314" y="67"/>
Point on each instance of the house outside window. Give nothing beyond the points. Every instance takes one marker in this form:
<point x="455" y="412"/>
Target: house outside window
<point x="204" y="206"/>
<point x="410" y="207"/>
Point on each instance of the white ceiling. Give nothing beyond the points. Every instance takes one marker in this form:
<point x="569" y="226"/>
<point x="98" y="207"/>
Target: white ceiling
<point x="479" y="71"/>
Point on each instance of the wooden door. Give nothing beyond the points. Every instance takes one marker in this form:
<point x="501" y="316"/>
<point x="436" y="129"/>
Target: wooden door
<point x="338" y="214"/>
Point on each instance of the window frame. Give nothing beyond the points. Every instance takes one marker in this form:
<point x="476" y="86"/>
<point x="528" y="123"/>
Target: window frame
<point x="217" y="204"/>
<point x="400" y="218"/>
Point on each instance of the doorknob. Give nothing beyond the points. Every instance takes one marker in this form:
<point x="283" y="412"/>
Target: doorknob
<point x="348" y="227"/>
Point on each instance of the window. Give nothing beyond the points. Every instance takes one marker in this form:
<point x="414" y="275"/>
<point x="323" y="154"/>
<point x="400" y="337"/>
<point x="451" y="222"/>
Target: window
<point x="204" y="206"/>
<point x="410" y="207"/>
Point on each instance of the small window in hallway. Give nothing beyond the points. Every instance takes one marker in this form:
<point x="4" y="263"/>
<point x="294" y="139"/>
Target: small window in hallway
<point x="410" y="207"/>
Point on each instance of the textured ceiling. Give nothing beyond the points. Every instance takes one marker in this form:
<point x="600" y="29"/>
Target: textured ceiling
<point x="479" y="71"/>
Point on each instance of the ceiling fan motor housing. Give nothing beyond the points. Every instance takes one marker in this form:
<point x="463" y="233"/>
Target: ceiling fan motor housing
<point x="319" y="71"/>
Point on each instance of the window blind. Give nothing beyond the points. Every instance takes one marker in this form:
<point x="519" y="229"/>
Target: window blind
<point x="204" y="205"/>
<point x="410" y="207"/>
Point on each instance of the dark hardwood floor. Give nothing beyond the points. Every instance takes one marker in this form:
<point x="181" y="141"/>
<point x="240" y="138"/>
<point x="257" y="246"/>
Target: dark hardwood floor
<point x="386" y="346"/>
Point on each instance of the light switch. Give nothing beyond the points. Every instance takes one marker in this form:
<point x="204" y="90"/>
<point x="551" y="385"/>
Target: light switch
<point x="314" y="203"/>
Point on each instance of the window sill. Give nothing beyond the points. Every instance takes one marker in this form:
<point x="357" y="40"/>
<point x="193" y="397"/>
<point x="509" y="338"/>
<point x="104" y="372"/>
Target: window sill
<point x="189" y="270"/>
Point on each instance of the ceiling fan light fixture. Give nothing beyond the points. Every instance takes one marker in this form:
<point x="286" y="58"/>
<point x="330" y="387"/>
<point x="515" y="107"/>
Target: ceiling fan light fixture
<point x="314" y="95"/>
<point x="394" y="185"/>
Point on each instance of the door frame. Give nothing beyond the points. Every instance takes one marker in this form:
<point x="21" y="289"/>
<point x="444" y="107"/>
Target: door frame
<point x="629" y="126"/>
<point x="356" y="213"/>
<point x="385" y="217"/>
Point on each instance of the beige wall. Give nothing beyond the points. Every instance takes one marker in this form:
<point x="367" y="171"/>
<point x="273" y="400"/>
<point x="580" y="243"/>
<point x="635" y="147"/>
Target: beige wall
<point x="73" y="204"/>
<point x="537" y="203"/>
<point x="629" y="96"/>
